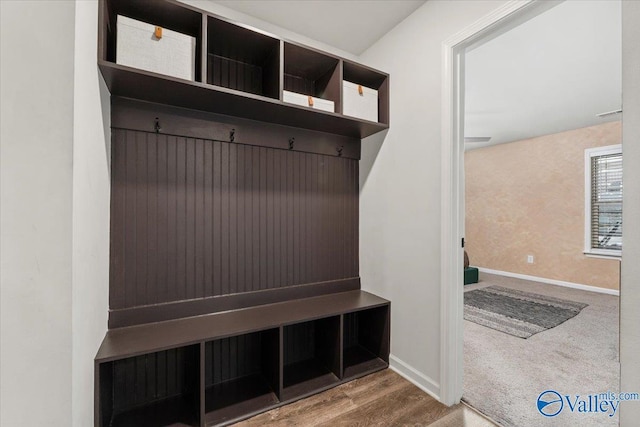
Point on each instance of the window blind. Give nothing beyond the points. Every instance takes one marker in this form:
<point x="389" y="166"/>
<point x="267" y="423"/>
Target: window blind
<point x="606" y="202"/>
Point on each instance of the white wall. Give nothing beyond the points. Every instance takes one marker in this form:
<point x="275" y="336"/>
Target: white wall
<point x="629" y="288"/>
<point x="400" y="185"/>
<point x="36" y="155"/>
<point x="91" y="195"/>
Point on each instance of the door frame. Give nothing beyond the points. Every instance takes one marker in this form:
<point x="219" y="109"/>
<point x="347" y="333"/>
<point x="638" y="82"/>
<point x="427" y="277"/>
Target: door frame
<point x="501" y="20"/>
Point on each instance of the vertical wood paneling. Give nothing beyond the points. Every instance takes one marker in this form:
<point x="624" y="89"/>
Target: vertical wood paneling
<point x="289" y="218"/>
<point x="190" y="223"/>
<point x="208" y="218"/>
<point x="224" y="219"/>
<point x="236" y="357"/>
<point x="270" y="224"/>
<point x="130" y="253"/>
<point x="181" y="219"/>
<point x="299" y="84"/>
<point x="199" y="227"/>
<point x="152" y="291"/>
<point x="233" y="219"/>
<point x="144" y="379"/>
<point x="355" y="215"/>
<point x="227" y="72"/>
<point x="277" y="217"/>
<point x="255" y="212"/>
<point x="162" y="242"/>
<point x="197" y="218"/>
<point x="299" y="342"/>
<point x="172" y="213"/>
<point x="118" y="221"/>
<point x="262" y="209"/>
<point x="217" y="219"/>
<point x="141" y="218"/>
<point x="240" y="221"/>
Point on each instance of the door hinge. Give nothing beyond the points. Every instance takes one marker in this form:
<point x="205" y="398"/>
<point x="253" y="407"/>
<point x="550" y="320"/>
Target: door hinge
<point x="463" y="242"/>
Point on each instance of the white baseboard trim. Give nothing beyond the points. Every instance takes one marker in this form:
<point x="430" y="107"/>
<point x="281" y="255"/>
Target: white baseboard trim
<point x="551" y="281"/>
<point x="417" y="378"/>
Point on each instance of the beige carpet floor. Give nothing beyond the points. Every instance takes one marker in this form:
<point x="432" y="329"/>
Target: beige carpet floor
<point x="504" y="375"/>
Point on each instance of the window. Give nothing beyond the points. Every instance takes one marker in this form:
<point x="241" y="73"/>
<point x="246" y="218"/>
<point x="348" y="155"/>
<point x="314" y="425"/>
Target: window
<point x="603" y="201"/>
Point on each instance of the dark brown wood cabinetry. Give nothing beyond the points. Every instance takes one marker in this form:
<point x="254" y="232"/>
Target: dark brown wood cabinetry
<point x="234" y="276"/>
<point x="222" y="367"/>
<point x="239" y="71"/>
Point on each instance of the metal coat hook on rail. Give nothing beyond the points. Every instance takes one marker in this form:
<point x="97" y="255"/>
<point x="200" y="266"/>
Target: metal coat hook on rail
<point x="339" y="150"/>
<point x="291" y="142"/>
<point x="232" y="135"/>
<point x="156" y="126"/>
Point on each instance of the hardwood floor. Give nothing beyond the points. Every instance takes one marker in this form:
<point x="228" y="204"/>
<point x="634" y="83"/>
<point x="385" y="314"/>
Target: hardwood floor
<point x="380" y="399"/>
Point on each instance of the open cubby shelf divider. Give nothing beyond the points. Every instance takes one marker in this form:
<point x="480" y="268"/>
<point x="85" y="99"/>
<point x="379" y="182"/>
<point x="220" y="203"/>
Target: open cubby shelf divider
<point x="220" y="368"/>
<point x="239" y="71"/>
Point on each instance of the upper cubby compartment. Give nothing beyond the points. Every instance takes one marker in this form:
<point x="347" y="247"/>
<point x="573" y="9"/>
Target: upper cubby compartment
<point x="361" y="86"/>
<point x="242" y="59"/>
<point x="311" y="73"/>
<point x="180" y="26"/>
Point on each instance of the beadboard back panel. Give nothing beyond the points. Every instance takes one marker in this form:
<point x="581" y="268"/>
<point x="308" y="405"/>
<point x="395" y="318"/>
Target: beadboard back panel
<point x="195" y="218"/>
<point x="162" y="378"/>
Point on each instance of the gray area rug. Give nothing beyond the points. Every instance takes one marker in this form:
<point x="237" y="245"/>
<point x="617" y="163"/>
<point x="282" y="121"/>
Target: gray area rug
<point x="503" y="374"/>
<point x="518" y="313"/>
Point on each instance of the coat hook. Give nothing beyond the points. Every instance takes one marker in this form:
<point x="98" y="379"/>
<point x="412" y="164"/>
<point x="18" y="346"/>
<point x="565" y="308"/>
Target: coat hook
<point x="157" y="125"/>
<point x="339" y="150"/>
<point x="291" y="142"/>
<point x="232" y="135"/>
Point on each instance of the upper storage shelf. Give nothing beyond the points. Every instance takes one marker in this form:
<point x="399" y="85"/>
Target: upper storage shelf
<point x="231" y="69"/>
<point x="241" y="59"/>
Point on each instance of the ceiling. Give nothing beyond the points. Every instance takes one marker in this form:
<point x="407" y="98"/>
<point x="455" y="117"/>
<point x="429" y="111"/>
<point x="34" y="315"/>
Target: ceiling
<point x="349" y="25"/>
<point x="551" y="74"/>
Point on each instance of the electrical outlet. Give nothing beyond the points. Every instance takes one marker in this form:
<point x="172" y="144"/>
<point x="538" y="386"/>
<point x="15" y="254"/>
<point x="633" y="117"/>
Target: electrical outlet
<point x="530" y="259"/>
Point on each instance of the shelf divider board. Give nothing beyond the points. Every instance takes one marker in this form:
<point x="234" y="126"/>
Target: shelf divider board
<point x="203" y="389"/>
<point x="203" y="49"/>
<point x="341" y="348"/>
<point x="281" y="72"/>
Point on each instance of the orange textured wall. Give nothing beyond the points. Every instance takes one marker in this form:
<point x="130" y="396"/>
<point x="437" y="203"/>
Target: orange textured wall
<point x="527" y="198"/>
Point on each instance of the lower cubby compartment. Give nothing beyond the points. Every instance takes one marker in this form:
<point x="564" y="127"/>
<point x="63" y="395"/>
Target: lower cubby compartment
<point x="241" y="375"/>
<point x="311" y="356"/>
<point x="366" y="341"/>
<point x="152" y="390"/>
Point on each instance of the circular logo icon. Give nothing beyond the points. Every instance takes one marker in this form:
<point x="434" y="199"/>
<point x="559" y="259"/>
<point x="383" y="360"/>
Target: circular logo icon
<point x="550" y="403"/>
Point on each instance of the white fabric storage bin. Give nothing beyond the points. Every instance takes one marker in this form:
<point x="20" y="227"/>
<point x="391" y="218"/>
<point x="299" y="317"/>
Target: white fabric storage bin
<point x="354" y="104"/>
<point x="174" y="54"/>
<point x="300" y="99"/>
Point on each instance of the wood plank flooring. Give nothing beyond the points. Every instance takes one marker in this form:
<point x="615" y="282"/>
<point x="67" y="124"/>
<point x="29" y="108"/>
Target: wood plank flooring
<point x="380" y="399"/>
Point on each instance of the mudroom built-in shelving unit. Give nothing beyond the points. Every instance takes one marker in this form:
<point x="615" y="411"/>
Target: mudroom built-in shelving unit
<point x="234" y="281"/>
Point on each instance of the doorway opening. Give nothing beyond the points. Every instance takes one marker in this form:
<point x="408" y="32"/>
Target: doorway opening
<point x="511" y="238"/>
